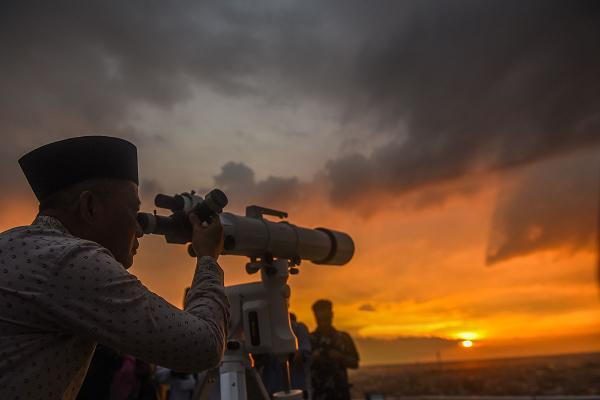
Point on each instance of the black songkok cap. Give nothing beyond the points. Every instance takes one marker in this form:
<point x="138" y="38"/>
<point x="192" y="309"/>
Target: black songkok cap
<point x="58" y="165"/>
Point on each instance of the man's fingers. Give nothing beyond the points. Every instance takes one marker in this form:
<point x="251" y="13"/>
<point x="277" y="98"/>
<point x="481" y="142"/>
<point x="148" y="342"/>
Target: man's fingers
<point x="215" y="223"/>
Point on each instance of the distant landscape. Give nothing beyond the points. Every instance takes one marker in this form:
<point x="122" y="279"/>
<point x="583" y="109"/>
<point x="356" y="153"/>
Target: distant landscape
<point x="574" y="374"/>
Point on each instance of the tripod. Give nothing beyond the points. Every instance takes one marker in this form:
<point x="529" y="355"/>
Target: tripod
<point x="259" y="325"/>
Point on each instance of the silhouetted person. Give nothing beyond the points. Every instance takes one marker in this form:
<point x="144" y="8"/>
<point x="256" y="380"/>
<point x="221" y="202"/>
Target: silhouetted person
<point x="333" y="352"/>
<point x="65" y="285"/>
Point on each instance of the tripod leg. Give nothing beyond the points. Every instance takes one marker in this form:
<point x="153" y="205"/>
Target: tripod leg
<point x="257" y="385"/>
<point x="233" y="385"/>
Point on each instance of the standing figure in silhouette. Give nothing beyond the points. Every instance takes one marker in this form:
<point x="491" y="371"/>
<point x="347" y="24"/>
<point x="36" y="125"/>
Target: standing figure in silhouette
<point x="333" y="352"/>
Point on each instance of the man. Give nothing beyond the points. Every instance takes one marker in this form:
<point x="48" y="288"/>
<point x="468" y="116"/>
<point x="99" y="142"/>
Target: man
<point x="64" y="285"/>
<point x="333" y="353"/>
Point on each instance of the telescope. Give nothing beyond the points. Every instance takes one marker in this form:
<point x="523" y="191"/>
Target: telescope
<point x="259" y="310"/>
<point x="251" y="235"/>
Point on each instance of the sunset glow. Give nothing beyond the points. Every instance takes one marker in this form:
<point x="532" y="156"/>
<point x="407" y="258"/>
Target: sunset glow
<point x="399" y="296"/>
<point x="468" y="335"/>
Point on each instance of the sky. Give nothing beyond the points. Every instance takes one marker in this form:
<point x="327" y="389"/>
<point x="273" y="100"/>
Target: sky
<point x="456" y="142"/>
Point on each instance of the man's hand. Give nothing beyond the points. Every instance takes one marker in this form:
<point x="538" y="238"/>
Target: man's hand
<point x="207" y="239"/>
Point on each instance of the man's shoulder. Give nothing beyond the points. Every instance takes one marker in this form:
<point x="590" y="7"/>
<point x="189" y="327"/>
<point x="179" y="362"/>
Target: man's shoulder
<point x="43" y="242"/>
<point x="42" y="233"/>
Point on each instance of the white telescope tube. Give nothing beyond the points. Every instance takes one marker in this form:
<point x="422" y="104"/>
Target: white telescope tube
<point x="256" y="237"/>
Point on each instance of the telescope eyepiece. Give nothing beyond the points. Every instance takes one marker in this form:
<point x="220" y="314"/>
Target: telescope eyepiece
<point x="216" y="200"/>
<point x="145" y="220"/>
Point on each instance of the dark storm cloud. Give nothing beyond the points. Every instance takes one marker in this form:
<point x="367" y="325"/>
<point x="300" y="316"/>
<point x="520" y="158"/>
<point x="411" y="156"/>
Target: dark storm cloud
<point x="242" y="188"/>
<point x="75" y="66"/>
<point x="552" y="205"/>
<point x="70" y="68"/>
<point x="481" y="85"/>
<point x="488" y="84"/>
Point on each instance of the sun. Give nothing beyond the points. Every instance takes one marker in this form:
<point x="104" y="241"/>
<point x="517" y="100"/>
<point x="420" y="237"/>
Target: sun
<point x="466" y="343"/>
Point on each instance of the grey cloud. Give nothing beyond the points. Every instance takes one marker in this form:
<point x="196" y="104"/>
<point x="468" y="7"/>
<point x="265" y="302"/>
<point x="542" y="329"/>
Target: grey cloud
<point x="80" y="67"/>
<point x="554" y="204"/>
<point x="481" y="85"/>
<point x="74" y="68"/>
<point x="242" y="188"/>
<point x="487" y="85"/>
<point x="77" y="67"/>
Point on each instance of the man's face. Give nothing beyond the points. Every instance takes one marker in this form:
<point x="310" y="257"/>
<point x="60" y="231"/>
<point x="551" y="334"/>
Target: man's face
<point x="324" y="318"/>
<point x="118" y="229"/>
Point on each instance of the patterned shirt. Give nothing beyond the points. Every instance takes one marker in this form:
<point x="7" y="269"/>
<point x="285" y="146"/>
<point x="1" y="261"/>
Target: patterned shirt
<point x="329" y="374"/>
<point x="60" y="295"/>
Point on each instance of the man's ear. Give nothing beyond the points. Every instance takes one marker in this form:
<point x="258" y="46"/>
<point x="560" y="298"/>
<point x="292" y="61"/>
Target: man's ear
<point x="88" y="206"/>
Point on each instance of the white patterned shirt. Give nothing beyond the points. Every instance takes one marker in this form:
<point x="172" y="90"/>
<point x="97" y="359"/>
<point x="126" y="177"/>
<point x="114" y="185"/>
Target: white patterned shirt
<point x="60" y="295"/>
